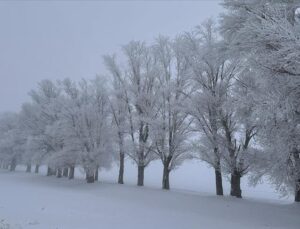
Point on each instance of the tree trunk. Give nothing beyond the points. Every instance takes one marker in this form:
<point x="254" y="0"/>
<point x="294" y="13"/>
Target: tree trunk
<point x="13" y="165"/>
<point x="37" y="168"/>
<point x="59" y="173"/>
<point x="219" y="185"/>
<point x="28" y="168"/>
<point x="96" y="174"/>
<point x="236" y="184"/>
<point x="121" y="169"/>
<point x="90" y="176"/>
<point x="140" y="181"/>
<point x="65" y="172"/>
<point x="71" y="172"/>
<point x="50" y="171"/>
<point x="291" y="13"/>
<point x="166" y="175"/>
<point x="297" y="191"/>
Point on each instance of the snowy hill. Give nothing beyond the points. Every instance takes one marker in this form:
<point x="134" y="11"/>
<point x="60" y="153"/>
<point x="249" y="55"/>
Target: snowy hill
<point x="34" y="201"/>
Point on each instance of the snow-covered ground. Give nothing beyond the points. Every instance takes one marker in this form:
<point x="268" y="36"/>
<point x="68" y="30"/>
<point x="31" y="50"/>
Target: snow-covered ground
<point x="192" y="176"/>
<point x="36" y="201"/>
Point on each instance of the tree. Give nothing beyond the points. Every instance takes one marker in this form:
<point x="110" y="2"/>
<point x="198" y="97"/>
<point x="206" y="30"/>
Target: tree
<point x="210" y="76"/>
<point x="40" y="118"/>
<point x="118" y="105"/>
<point x="13" y="141"/>
<point x="238" y="128"/>
<point x="84" y="124"/>
<point x="140" y="99"/>
<point x="170" y="127"/>
<point x="270" y="30"/>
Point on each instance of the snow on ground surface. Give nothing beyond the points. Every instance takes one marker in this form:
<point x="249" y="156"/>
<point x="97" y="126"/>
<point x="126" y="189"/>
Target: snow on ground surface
<point x="192" y="176"/>
<point x="35" y="201"/>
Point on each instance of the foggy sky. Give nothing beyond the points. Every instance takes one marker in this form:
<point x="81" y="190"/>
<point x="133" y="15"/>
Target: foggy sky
<point x="55" y="40"/>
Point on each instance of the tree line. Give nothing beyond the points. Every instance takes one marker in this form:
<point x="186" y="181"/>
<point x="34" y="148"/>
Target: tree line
<point x="227" y="94"/>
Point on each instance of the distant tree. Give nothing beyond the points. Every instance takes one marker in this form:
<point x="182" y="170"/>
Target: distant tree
<point x="118" y="106"/>
<point x="41" y="115"/>
<point x="12" y="141"/>
<point x="84" y="124"/>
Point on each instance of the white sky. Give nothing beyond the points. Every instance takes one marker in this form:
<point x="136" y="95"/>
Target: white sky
<point x="58" y="39"/>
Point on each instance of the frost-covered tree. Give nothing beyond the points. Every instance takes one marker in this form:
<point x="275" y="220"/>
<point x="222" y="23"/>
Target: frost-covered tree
<point x="140" y="98"/>
<point x="222" y="116"/>
<point x="45" y="102"/>
<point x="238" y="128"/>
<point x="29" y="124"/>
<point x="118" y="105"/>
<point x="84" y="126"/>
<point x="266" y="35"/>
<point x="170" y="127"/>
<point x="12" y="141"/>
<point x="210" y="78"/>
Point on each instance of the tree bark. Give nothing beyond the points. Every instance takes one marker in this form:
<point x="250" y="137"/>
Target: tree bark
<point x="297" y="191"/>
<point x="96" y="174"/>
<point x="219" y="185"/>
<point x="121" y="169"/>
<point x="65" y="172"/>
<point x="59" y="173"/>
<point x="37" y="168"/>
<point x="13" y="165"/>
<point x="236" y="184"/>
<point x="166" y="177"/>
<point x="291" y="13"/>
<point x="140" y="181"/>
<point x="90" y="177"/>
<point x="71" y="172"/>
<point x="28" y="168"/>
<point x="50" y="171"/>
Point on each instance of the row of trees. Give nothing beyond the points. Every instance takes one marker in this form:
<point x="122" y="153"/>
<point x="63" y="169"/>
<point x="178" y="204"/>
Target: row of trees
<point x="227" y="95"/>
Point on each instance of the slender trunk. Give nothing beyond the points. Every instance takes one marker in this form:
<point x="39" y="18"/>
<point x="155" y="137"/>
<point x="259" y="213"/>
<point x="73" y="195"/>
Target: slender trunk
<point x="28" y="168"/>
<point x="37" y="168"/>
<point x="65" y="172"/>
<point x="166" y="175"/>
<point x="96" y="174"/>
<point x="291" y="13"/>
<point x="13" y="165"/>
<point x="297" y="191"/>
<point x="90" y="175"/>
<point x="49" y="171"/>
<point x="140" y="181"/>
<point x="71" y="172"/>
<point x="236" y="184"/>
<point x="121" y="169"/>
<point x="59" y="173"/>
<point x="219" y="185"/>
